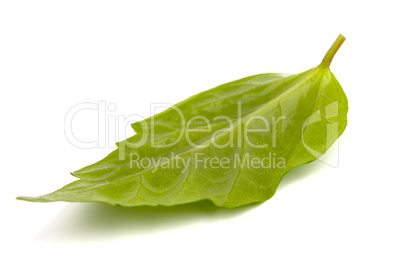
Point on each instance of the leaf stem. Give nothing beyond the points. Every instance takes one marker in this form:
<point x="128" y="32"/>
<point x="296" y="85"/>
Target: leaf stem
<point x="326" y="61"/>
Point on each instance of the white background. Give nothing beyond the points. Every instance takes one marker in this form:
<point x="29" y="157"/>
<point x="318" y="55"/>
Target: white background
<point x="56" y="54"/>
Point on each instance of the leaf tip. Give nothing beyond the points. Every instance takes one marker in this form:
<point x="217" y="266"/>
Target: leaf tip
<point x="30" y="198"/>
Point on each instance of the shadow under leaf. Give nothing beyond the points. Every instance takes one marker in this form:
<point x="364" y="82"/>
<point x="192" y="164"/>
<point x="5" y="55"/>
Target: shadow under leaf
<point x="92" y="221"/>
<point x="299" y="173"/>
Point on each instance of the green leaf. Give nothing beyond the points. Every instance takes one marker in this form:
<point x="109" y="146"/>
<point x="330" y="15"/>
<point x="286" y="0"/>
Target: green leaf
<point x="231" y="144"/>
